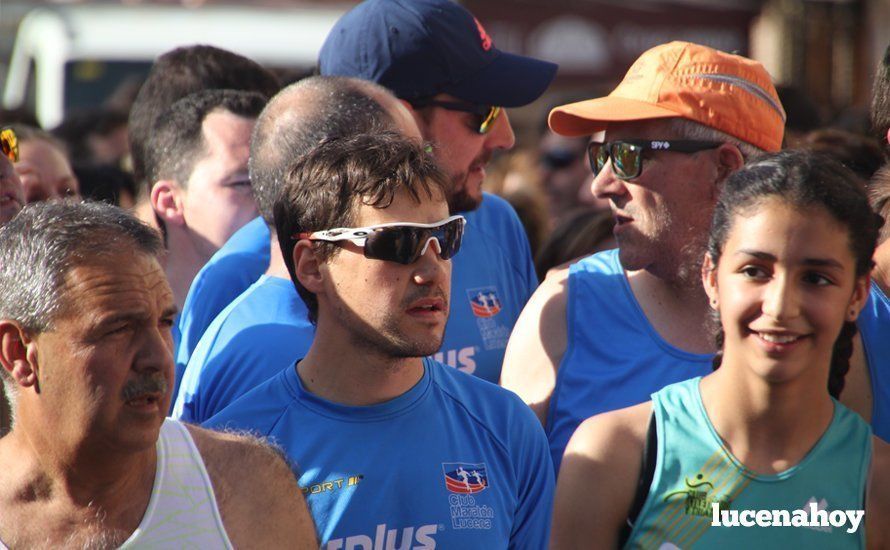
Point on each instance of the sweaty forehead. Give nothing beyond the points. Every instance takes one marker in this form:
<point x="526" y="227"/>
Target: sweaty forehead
<point x="130" y="280"/>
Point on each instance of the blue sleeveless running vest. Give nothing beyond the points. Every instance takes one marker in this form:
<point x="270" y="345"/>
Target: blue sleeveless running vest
<point x="614" y="358"/>
<point x="694" y="471"/>
<point x="874" y="326"/>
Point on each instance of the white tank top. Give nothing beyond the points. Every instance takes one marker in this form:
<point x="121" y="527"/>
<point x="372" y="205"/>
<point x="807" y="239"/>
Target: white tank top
<point x="182" y="510"/>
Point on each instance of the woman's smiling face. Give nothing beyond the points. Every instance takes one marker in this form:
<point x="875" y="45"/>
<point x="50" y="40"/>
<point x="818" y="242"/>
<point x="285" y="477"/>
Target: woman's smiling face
<point x="785" y="284"/>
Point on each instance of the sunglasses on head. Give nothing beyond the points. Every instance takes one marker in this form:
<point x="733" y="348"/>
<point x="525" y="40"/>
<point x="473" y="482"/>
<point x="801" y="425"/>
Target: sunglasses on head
<point x="627" y="155"/>
<point x="487" y="114"/>
<point x="9" y="143"/>
<point x="400" y="242"/>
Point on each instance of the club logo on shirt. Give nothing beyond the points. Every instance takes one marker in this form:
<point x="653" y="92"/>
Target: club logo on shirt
<point x="484" y="301"/>
<point x="698" y="497"/>
<point x="465" y="478"/>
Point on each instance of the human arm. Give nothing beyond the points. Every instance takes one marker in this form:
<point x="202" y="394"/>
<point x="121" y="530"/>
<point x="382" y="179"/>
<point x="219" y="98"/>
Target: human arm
<point x="598" y="479"/>
<point x="537" y="344"/>
<point x="258" y="497"/>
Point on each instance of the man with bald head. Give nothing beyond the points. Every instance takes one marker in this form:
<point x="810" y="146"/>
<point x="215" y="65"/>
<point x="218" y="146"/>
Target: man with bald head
<point x="267" y="327"/>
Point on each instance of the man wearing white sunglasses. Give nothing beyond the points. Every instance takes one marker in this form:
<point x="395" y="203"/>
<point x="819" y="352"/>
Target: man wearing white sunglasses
<point x="396" y="450"/>
<point x="267" y="327"/>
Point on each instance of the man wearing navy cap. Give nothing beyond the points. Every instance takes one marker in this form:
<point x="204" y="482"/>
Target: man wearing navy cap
<point x="437" y="58"/>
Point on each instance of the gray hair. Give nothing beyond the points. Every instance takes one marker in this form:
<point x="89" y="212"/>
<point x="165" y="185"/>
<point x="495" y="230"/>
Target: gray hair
<point x="44" y="242"/>
<point x="692" y="130"/>
<point x="303" y="115"/>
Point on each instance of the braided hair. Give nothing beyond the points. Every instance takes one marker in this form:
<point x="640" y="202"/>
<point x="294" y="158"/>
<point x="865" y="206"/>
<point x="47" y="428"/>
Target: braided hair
<point x="802" y="179"/>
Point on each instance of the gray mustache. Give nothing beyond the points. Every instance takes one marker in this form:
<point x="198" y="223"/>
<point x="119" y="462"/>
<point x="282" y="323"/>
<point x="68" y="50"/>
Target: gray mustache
<point x="145" y="384"/>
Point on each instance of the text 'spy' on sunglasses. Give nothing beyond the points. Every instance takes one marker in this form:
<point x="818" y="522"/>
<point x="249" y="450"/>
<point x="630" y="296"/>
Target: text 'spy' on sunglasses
<point x="627" y="155"/>
<point x="401" y="242"/>
<point x="9" y="142"/>
<point x="487" y="115"/>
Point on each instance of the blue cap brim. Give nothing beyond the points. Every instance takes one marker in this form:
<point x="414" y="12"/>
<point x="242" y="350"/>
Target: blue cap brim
<point x="510" y="80"/>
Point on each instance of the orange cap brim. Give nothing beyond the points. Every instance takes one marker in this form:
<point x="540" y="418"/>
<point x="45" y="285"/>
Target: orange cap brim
<point x="593" y="115"/>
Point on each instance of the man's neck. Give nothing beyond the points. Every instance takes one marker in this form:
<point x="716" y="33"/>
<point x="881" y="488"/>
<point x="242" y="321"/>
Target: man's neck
<point x="277" y="267"/>
<point x="677" y="309"/>
<point x="338" y="371"/>
<point x="182" y="262"/>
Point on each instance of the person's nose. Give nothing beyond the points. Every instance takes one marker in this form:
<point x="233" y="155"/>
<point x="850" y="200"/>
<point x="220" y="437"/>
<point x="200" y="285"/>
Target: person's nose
<point x="781" y="298"/>
<point x="430" y="268"/>
<point x="501" y="134"/>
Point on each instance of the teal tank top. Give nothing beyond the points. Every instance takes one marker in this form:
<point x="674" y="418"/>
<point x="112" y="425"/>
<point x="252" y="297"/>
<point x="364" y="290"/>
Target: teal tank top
<point x="694" y="470"/>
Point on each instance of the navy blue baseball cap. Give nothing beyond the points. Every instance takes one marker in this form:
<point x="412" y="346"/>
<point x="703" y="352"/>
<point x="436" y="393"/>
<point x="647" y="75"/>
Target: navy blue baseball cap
<point x="420" y="48"/>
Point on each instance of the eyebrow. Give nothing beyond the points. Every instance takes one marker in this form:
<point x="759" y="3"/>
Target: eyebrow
<point x="814" y="262"/>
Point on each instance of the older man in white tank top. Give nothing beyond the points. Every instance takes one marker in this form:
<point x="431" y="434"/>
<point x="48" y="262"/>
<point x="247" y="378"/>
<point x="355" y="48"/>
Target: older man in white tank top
<point x="86" y="351"/>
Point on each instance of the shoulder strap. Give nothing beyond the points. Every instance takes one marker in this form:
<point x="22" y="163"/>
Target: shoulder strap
<point x="647" y="472"/>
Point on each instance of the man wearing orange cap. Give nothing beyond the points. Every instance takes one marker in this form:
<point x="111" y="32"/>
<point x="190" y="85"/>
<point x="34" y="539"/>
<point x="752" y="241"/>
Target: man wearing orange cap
<point x="616" y="326"/>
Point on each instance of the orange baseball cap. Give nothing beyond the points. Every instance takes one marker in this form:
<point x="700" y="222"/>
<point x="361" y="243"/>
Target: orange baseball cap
<point x="726" y="92"/>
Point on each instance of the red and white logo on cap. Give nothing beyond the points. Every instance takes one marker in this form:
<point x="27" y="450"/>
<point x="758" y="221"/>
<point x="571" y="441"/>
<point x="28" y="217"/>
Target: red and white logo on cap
<point x="486" y="40"/>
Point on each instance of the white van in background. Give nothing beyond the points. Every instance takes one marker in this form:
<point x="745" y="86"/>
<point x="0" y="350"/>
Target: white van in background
<point x="74" y="56"/>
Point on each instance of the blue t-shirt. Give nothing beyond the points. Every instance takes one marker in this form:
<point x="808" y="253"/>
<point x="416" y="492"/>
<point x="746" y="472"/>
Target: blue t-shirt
<point x="261" y="332"/>
<point x="492" y="278"/>
<point x="228" y="273"/>
<point x="614" y="358"/>
<point x="874" y="325"/>
<point x="454" y="462"/>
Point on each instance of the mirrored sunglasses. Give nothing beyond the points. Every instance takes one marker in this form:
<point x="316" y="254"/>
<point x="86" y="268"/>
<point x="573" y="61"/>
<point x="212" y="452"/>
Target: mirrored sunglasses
<point x="400" y="242"/>
<point x="627" y="155"/>
<point x="487" y="114"/>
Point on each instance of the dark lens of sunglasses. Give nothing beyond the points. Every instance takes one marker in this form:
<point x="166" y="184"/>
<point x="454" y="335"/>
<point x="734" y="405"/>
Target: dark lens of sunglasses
<point x="450" y="240"/>
<point x="488" y="120"/>
<point x="596" y="156"/>
<point x="396" y="244"/>
<point x="626" y="160"/>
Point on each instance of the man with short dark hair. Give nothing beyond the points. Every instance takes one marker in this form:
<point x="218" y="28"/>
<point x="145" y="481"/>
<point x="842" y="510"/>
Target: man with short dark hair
<point x="85" y="350"/>
<point x="397" y="449"/>
<point x="621" y="324"/>
<point x="200" y="190"/>
<point x="181" y="72"/>
<point x="439" y="60"/>
<point x="267" y="327"/>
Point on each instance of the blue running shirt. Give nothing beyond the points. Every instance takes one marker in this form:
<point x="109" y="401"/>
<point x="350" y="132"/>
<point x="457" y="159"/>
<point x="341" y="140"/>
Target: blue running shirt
<point x="228" y="273"/>
<point x="492" y="278"/>
<point x="694" y="470"/>
<point x="874" y="326"/>
<point x="264" y="330"/>
<point x="454" y="462"/>
<point x="614" y="358"/>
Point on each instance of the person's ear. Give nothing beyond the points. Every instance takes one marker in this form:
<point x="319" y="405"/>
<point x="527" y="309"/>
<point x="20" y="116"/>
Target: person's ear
<point x="859" y="297"/>
<point x="307" y="267"/>
<point x="729" y="160"/>
<point x="709" y="281"/>
<point x="167" y="201"/>
<point x="18" y="353"/>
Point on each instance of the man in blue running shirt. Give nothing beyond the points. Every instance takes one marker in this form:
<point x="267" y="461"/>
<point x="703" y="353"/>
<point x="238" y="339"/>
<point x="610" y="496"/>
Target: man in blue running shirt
<point x="867" y="389"/>
<point x="396" y="450"/>
<point x="267" y="327"/>
<point x="619" y="325"/>
<point x="439" y="60"/>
